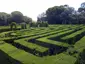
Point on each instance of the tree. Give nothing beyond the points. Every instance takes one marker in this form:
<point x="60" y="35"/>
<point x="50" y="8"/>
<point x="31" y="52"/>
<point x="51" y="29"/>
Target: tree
<point x="17" y="16"/>
<point x="59" y="14"/>
<point x="27" y="19"/>
<point x="82" y="7"/>
<point x="9" y="20"/>
<point x="81" y="10"/>
<point x="66" y="15"/>
<point x="53" y="14"/>
<point x="3" y="18"/>
<point x="41" y="17"/>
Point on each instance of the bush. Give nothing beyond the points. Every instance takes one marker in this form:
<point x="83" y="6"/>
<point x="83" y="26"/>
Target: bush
<point x="81" y="58"/>
<point x="39" y="24"/>
<point x="45" y="24"/>
<point x="13" y="26"/>
<point x="71" y="50"/>
<point x="23" y="26"/>
<point x="33" y="24"/>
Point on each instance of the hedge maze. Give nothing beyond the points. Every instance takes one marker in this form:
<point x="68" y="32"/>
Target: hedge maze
<point x="37" y="43"/>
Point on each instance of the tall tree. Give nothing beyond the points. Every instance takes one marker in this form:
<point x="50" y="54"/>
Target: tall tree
<point x="58" y="14"/>
<point x="3" y="18"/>
<point x="81" y="10"/>
<point x="82" y="7"/>
<point x="66" y="14"/>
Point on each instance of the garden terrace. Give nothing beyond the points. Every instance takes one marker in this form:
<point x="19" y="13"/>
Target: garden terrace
<point x="16" y="53"/>
<point x="74" y="37"/>
<point x="28" y="34"/>
<point x="35" y="49"/>
<point x="23" y="57"/>
<point x="35" y="45"/>
<point x="6" y="59"/>
<point x="68" y="36"/>
<point x="47" y="40"/>
<point x="30" y="45"/>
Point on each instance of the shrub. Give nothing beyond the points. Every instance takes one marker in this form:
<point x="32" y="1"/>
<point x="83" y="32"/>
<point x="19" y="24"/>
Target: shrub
<point x="33" y="24"/>
<point x="45" y="24"/>
<point x="71" y="50"/>
<point x="81" y="58"/>
<point x="23" y="26"/>
<point x="13" y="26"/>
<point x="39" y="24"/>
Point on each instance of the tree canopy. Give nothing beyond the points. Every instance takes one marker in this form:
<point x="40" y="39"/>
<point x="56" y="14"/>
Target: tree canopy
<point x="64" y="14"/>
<point x="15" y="16"/>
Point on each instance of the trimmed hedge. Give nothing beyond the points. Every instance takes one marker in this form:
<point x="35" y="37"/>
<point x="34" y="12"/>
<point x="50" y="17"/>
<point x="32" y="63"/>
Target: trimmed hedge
<point x="72" y="38"/>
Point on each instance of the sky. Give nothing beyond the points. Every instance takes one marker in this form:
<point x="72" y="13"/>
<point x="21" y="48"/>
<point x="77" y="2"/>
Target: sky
<point x="32" y="8"/>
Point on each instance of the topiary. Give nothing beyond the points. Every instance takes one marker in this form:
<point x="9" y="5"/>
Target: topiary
<point x="13" y="26"/>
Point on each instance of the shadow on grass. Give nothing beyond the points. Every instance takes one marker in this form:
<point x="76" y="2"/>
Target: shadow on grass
<point x="52" y="50"/>
<point x="6" y="59"/>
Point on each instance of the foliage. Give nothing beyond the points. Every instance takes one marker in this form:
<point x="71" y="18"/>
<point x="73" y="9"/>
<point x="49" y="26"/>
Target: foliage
<point x="3" y="18"/>
<point x="13" y="26"/>
<point x="33" y="24"/>
<point x="23" y="26"/>
<point x="81" y="58"/>
<point x="71" y="50"/>
<point x="63" y="14"/>
<point x="36" y="44"/>
<point x="15" y="16"/>
<point x="39" y="24"/>
<point x="27" y="19"/>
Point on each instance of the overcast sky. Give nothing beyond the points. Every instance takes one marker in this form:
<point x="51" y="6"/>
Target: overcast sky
<point x="32" y="8"/>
